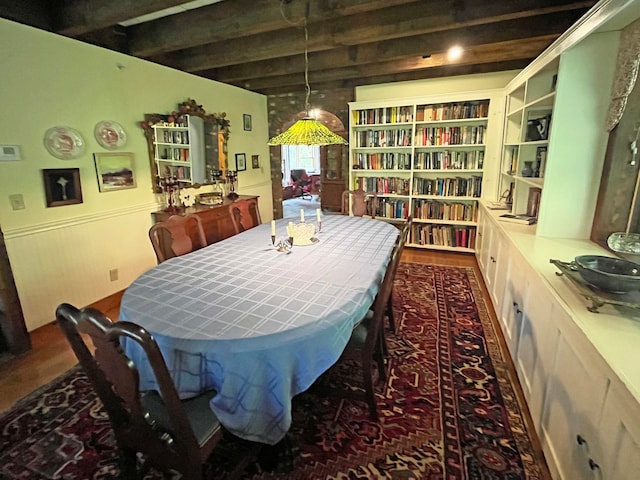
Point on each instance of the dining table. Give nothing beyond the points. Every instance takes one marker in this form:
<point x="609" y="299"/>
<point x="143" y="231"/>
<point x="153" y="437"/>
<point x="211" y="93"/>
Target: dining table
<point x="256" y="324"/>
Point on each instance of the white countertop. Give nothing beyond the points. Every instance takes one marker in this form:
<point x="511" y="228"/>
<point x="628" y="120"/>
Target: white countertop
<point x="614" y="333"/>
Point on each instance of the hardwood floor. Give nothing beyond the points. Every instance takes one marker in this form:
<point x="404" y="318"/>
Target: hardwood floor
<point x="51" y="355"/>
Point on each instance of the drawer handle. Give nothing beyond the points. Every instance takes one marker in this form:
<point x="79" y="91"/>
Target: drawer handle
<point x="593" y="465"/>
<point x="580" y="439"/>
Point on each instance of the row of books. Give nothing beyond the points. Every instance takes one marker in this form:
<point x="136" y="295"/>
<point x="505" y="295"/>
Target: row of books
<point x="392" y="208"/>
<point x="382" y="161"/>
<point x="466" y="135"/>
<point x="168" y="136"/>
<point x="179" y="172"/>
<point x="383" y="115"/>
<point x="448" y="187"/>
<point x="384" y="185"/>
<point x="443" y="235"/>
<point x="175" y="154"/>
<point x="452" y="111"/>
<point x="383" y="138"/>
<point x="437" y="210"/>
<point x="449" y="160"/>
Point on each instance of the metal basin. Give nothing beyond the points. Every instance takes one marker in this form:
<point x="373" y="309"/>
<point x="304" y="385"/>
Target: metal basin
<point x="609" y="274"/>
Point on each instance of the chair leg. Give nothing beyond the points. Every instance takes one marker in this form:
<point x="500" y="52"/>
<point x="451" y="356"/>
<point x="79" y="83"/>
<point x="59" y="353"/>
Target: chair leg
<point x="369" y="391"/>
<point x="389" y="312"/>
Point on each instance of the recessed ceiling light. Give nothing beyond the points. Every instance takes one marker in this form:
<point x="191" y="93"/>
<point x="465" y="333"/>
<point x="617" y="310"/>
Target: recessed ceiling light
<point x="455" y="52"/>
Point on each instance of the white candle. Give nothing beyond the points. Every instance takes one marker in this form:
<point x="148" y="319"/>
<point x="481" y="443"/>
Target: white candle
<point x="318" y="214"/>
<point x="302" y="215"/>
<point x="273" y="228"/>
<point x="290" y="229"/>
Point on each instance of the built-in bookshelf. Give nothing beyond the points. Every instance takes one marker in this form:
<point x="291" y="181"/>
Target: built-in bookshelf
<point x="173" y="151"/>
<point x="529" y="112"/>
<point x="424" y="158"/>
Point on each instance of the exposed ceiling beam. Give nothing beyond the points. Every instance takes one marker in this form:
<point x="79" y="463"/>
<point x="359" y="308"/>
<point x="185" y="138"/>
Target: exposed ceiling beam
<point x="399" y="48"/>
<point x="488" y="53"/>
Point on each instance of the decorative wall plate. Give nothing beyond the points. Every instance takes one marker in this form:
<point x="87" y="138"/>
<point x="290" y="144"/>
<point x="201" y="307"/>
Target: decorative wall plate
<point x="63" y="142"/>
<point x="110" y="135"/>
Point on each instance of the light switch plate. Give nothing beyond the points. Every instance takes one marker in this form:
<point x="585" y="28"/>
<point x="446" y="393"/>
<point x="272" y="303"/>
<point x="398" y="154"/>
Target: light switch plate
<point x="17" y="201"/>
<point x="10" y="153"/>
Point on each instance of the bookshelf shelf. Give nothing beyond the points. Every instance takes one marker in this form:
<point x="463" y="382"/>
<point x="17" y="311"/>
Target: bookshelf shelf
<point x="172" y="150"/>
<point x="432" y="169"/>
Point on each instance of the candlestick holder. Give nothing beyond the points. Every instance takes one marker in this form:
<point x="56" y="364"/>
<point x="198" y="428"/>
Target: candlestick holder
<point x="171" y="188"/>
<point x="232" y="176"/>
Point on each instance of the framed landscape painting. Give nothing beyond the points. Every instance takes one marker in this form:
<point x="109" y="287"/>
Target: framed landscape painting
<point x="114" y="171"/>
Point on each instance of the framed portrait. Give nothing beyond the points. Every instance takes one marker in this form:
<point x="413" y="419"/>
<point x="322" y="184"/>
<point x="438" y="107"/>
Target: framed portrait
<point x="246" y="120"/>
<point x="255" y="161"/>
<point x="62" y="186"/>
<point x="241" y="162"/>
<point x="114" y="171"/>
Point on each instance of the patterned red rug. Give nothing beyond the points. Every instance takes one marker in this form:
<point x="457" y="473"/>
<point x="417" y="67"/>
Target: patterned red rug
<point x="447" y="411"/>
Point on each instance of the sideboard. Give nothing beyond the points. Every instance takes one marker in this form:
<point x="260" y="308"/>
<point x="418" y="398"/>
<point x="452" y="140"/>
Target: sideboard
<point x="216" y="219"/>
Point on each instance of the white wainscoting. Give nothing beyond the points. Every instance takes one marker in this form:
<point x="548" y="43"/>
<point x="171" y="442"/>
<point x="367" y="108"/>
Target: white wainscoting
<point x="69" y="261"/>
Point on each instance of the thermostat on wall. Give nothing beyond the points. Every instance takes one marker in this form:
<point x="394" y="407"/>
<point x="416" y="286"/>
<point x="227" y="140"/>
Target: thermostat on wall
<point x="9" y="153"/>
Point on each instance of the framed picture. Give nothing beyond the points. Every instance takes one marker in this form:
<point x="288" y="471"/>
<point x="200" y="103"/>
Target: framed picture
<point x="114" y="171"/>
<point x="241" y="162"/>
<point x="537" y="127"/>
<point x="255" y="161"/>
<point x="246" y="118"/>
<point x="62" y="186"/>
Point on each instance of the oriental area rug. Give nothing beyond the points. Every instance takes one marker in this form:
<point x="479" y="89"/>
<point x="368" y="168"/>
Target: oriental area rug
<point x="448" y="409"/>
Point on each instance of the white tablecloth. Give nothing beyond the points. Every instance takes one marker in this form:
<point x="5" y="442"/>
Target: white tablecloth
<point x="257" y="325"/>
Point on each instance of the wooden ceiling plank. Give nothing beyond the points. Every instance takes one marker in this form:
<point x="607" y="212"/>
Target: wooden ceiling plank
<point x="435" y="72"/>
<point x="399" y="48"/>
<point x="78" y="17"/>
<point x="230" y="19"/>
<point x="440" y="17"/>
<point x="487" y="53"/>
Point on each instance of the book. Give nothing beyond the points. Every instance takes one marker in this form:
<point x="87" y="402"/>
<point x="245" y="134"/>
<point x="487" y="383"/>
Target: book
<point x="498" y="206"/>
<point x="518" y="218"/>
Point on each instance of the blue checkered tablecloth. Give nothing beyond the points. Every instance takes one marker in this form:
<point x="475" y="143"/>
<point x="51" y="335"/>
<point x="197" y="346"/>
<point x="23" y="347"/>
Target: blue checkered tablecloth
<point x="257" y="325"/>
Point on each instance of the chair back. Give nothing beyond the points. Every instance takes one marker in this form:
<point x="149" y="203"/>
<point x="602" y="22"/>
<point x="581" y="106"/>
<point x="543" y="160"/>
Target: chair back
<point x="177" y="235"/>
<point x="159" y="427"/>
<point x="245" y="215"/>
<point x="359" y="203"/>
<point x="299" y="176"/>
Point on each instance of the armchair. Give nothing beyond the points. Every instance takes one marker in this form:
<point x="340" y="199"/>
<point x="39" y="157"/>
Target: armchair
<point x="302" y="183"/>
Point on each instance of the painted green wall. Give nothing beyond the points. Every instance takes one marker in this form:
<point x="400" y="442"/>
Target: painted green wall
<point x="49" y="80"/>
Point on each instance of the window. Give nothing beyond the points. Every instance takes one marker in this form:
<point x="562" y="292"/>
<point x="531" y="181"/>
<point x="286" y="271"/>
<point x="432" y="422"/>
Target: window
<point x="299" y="156"/>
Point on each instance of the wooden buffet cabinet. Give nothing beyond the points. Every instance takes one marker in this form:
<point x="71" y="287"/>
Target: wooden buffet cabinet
<point x="216" y="219"/>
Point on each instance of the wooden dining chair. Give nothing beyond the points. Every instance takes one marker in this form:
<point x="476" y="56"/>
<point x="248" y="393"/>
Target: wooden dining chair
<point x="366" y="346"/>
<point x="177" y="235"/>
<point x="403" y="238"/>
<point x="359" y="203"/>
<point x="172" y="434"/>
<point x="245" y="215"/>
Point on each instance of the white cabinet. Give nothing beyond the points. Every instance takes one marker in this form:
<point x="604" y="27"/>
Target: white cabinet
<point x="537" y="336"/>
<point x="620" y="430"/>
<point x="492" y="257"/>
<point x="575" y="393"/>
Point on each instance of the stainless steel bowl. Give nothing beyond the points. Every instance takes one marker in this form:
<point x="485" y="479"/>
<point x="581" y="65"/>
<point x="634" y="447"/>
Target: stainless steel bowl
<point x="609" y="274"/>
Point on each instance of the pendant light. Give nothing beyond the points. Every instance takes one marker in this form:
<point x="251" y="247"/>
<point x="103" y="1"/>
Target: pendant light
<point x="307" y="130"/>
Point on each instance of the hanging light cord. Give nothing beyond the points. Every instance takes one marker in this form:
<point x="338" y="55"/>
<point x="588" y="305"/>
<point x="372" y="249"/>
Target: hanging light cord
<point x="303" y="23"/>
<point x="306" y="70"/>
